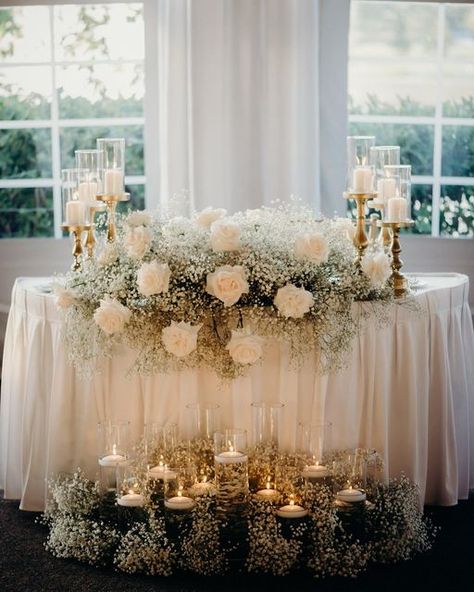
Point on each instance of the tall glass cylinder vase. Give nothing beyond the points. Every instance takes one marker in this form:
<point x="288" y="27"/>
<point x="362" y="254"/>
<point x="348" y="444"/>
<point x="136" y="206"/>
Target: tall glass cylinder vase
<point x="113" y="441"/>
<point x="231" y="468"/>
<point x="266" y="419"/>
<point x="113" y="166"/>
<point x="204" y="420"/>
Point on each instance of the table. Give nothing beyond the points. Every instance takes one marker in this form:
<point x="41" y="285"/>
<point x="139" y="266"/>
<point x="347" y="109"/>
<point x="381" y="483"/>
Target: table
<point x="407" y="390"/>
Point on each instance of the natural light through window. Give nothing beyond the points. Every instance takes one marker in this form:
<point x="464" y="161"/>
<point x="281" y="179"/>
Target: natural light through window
<point x="411" y="82"/>
<point x="67" y="76"/>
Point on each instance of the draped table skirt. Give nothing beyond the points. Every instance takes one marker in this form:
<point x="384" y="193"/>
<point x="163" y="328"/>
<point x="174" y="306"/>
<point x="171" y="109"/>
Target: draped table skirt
<point x="407" y="390"/>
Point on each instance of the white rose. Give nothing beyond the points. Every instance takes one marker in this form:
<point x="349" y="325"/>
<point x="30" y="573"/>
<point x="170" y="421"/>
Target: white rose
<point x="138" y="218"/>
<point x="245" y="348"/>
<point x="180" y="339"/>
<point x="111" y="316"/>
<point x="293" y="302"/>
<point x="209" y="215"/>
<point x="137" y="241"/>
<point x="63" y="297"/>
<point x="225" y="235"/>
<point x="376" y="267"/>
<point x="108" y="255"/>
<point x="227" y="283"/>
<point x="153" y="278"/>
<point x="312" y="246"/>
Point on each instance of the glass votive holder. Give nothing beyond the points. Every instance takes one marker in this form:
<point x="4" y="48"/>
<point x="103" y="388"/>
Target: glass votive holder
<point x="267" y="488"/>
<point x="315" y="443"/>
<point x="349" y="479"/>
<point x="398" y="208"/>
<point x="74" y="211"/>
<point x="380" y="156"/>
<point x="113" y="166"/>
<point x="204" y="419"/>
<point x="130" y="488"/>
<point x="360" y="172"/>
<point x="178" y="486"/>
<point x="113" y="438"/>
<point x="230" y="446"/>
<point x="266" y="419"/>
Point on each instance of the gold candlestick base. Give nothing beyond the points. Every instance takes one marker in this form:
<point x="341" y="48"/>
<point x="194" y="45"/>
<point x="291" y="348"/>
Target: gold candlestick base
<point x="385" y="235"/>
<point x="76" y="230"/>
<point x="360" y="237"/>
<point x="398" y="279"/>
<point x="90" y="241"/>
<point x="111" y="202"/>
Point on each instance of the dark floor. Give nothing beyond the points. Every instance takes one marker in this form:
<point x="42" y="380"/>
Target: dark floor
<point x="26" y="566"/>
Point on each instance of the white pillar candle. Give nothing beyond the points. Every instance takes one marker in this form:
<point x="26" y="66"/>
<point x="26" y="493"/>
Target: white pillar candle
<point x="113" y="182"/>
<point x="397" y="209"/>
<point x="230" y="457"/>
<point x="87" y="191"/>
<point x="386" y="189"/>
<point x="292" y="510"/>
<point x="75" y="212"/>
<point x="362" y="180"/>
<point x="179" y="502"/>
<point x="315" y="471"/>
<point x="131" y="500"/>
<point x="351" y="495"/>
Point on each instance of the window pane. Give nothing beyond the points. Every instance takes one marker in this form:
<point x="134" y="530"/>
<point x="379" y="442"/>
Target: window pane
<point x="25" y="92"/>
<point x="26" y="212"/>
<point x="25" y="153"/>
<point x="459" y="36"/>
<point x="74" y="138"/>
<point x="392" y="88"/>
<point x="137" y="199"/>
<point x="458" y="151"/>
<point x="415" y="141"/>
<point x="421" y="205"/>
<point x="99" y="32"/>
<point x="457" y="211"/>
<point x="25" y="34"/>
<point x="393" y="30"/>
<point x="101" y="91"/>
<point x="458" y="89"/>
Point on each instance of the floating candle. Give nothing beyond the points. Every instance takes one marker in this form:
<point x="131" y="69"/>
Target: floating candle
<point x="180" y="501"/>
<point x="131" y="500"/>
<point x="230" y="456"/>
<point x="111" y="460"/>
<point x="161" y="472"/>
<point x="267" y="494"/>
<point x="351" y="495"/>
<point x="292" y="510"/>
<point x="316" y="471"/>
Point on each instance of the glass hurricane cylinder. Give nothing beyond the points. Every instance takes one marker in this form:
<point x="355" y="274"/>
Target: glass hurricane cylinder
<point x="380" y="156"/>
<point x="89" y="165"/>
<point x="231" y="470"/>
<point x="266" y="423"/>
<point x="112" y="449"/>
<point x="360" y="172"/>
<point x="398" y="208"/>
<point x="113" y="166"/>
<point x="74" y="211"/>
<point x="130" y="487"/>
<point x="315" y="444"/>
<point x="178" y="484"/>
<point x="204" y="420"/>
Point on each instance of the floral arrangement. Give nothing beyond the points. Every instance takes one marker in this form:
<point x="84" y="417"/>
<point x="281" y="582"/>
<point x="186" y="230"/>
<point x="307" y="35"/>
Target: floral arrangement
<point x="210" y="290"/>
<point x="86" y="525"/>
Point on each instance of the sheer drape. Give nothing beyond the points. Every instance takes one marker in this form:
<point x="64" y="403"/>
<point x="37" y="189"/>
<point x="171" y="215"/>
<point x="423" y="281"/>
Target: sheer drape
<point x="252" y="100"/>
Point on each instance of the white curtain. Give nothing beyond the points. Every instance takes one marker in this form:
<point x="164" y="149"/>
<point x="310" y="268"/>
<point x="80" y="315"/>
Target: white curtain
<point x="252" y="101"/>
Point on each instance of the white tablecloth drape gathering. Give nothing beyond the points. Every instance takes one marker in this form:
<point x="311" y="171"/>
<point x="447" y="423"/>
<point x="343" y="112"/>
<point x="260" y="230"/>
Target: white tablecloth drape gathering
<point x="407" y="391"/>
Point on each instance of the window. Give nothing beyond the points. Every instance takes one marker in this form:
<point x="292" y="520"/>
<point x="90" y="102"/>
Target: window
<point x="68" y="74"/>
<point x="411" y="82"/>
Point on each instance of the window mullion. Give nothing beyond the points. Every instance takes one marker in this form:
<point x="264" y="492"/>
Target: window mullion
<point x="55" y="142"/>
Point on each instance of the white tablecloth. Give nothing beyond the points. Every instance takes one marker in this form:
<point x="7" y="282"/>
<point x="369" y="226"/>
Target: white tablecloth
<point x="408" y="391"/>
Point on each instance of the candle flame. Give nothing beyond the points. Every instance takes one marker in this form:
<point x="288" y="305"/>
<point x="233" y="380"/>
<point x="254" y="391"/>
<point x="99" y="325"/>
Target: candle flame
<point x="131" y="491"/>
<point x="231" y="448"/>
<point x="180" y="491"/>
<point x="114" y="449"/>
<point x="204" y="479"/>
<point x="292" y="501"/>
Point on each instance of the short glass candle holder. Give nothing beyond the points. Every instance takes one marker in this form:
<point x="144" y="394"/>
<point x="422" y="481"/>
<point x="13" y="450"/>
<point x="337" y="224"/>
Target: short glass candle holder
<point x="398" y="208"/>
<point x="113" y="166"/>
<point x="178" y="486"/>
<point x="360" y="172"/>
<point x="349" y="479"/>
<point x="113" y="440"/>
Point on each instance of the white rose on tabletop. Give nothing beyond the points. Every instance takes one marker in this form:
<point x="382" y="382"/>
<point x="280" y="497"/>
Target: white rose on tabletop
<point x="108" y="255"/>
<point x="312" y="246"/>
<point x="153" y="278"/>
<point x="245" y="348"/>
<point x="206" y="217"/>
<point x="111" y="316"/>
<point x="377" y="268"/>
<point x="137" y="241"/>
<point x="292" y="301"/>
<point x="227" y="283"/>
<point x="138" y="218"/>
<point x="225" y="235"/>
<point x="180" y="339"/>
<point x="64" y="297"/>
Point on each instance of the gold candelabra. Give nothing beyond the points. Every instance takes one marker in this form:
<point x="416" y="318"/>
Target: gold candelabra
<point x="111" y="202"/>
<point x="90" y="241"/>
<point x="360" y="239"/>
<point x="398" y="279"/>
<point x="76" y="231"/>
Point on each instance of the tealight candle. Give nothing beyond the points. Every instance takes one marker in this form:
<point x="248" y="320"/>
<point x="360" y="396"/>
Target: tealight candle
<point x="351" y="495"/>
<point x="316" y="471"/>
<point x="362" y="179"/>
<point x="87" y="191"/>
<point x="131" y="500"/>
<point x="180" y="501"/>
<point x="292" y="510"/>
<point x="111" y="460"/>
<point x="397" y="209"/>
<point x="113" y="182"/>
<point x="75" y="213"/>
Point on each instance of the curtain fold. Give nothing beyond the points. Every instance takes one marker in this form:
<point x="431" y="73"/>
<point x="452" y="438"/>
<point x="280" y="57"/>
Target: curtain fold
<point x="242" y="90"/>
